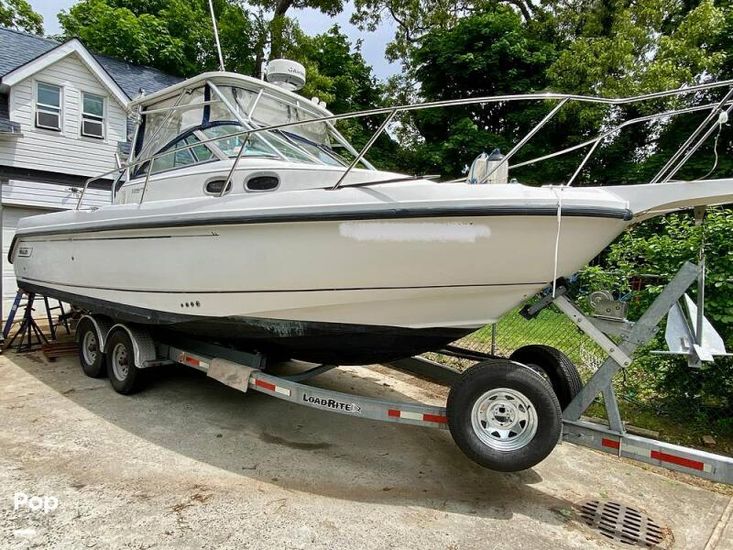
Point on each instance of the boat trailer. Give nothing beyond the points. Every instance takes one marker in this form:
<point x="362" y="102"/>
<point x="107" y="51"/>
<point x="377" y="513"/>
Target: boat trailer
<point x="246" y="371"/>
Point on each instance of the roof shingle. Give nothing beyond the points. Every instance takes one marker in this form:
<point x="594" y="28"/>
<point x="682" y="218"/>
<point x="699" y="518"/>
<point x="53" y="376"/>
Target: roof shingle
<point x="20" y="48"/>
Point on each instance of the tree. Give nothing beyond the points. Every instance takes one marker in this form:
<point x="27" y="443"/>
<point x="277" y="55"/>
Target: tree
<point x="594" y="47"/>
<point x="18" y="14"/>
<point x="279" y="22"/>
<point x="339" y="75"/>
<point x="622" y="48"/>
<point x="417" y="18"/>
<point x="489" y="53"/>
<point x="175" y="36"/>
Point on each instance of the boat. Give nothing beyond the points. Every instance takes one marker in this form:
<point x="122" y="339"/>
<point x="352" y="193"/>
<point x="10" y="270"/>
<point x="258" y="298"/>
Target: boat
<point x="245" y="218"/>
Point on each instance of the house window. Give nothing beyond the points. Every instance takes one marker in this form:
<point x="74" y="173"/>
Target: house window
<point x="48" y="106"/>
<point x="92" y="116"/>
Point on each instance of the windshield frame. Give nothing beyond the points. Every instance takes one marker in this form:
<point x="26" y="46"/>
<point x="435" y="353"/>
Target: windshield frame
<point x="220" y="154"/>
<point x="287" y="146"/>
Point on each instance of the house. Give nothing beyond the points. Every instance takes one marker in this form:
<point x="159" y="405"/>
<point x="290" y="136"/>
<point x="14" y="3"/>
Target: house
<point x="63" y="119"/>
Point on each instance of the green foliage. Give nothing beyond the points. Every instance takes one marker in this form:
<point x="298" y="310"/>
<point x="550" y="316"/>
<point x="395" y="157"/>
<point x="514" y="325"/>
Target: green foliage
<point x="18" y="14"/>
<point x="653" y="252"/>
<point x="622" y="49"/>
<point x="617" y="48"/>
<point x="415" y="19"/>
<point x="175" y="36"/>
<point x="489" y="53"/>
<point x="278" y="26"/>
<point x="341" y="77"/>
<point x="660" y="246"/>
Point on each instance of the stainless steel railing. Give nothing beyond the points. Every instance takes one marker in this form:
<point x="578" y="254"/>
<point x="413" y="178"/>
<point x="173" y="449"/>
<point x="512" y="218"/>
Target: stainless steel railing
<point x="686" y="150"/>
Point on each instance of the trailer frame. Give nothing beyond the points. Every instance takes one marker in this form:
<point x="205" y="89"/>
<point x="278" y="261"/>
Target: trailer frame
<point x="245" y="371"/>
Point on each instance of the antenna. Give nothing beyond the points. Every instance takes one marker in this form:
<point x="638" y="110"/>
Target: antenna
<point x="216" y="35"/>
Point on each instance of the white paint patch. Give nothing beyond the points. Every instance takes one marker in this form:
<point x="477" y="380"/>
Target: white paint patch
<point x="407" y="232"/>
<point x="25" y="533"/>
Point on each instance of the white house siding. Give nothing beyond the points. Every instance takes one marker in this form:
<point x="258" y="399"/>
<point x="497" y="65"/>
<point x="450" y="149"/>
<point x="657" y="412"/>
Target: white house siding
<point x="51" y="196"/>
<point x="67" y="151"/>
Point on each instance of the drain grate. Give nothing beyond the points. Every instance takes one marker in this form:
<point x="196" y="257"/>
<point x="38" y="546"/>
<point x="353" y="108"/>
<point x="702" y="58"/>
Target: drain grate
<point x="623" y="524"/>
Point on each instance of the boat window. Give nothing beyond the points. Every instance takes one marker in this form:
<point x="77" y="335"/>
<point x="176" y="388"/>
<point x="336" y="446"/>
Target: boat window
<point x="178" y="156"/>
<point x="214" y="187"/>
<point x="168" y="125"/>
<point x="321" y="152"/>
<point x="262" y="183"/>
<point x="163" y="123"/>
<point x="230" y="144"/>
<point x="264" y="144"/>
<point x="267" y="110"/>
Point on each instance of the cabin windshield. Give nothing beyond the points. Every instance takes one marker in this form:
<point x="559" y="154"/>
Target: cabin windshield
<point x="171" y="128"/>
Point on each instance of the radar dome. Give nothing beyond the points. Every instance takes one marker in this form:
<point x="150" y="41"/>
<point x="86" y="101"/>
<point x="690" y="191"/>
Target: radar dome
<point x="286" y="74"/>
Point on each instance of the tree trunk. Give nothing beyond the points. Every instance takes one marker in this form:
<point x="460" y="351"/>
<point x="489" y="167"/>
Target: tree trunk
<point x="277" y="26"/>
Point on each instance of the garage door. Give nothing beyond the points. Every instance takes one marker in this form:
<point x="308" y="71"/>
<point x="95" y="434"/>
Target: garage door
<point x="10" y="216"/>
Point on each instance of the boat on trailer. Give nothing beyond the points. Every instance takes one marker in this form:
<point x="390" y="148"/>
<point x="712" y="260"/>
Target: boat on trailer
<point x="245" y="229"/>
<point x="244" y="216"/>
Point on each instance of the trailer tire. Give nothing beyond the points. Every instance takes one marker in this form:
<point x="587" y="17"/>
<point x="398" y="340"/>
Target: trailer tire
<point x="125" y="376"/>
<point x="504" y="416"/>
<point x="91" y="356"/>
<point x="558" y="367"/>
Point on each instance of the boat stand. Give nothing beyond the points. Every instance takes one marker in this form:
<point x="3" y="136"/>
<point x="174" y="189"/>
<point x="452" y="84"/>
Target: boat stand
<point x="31" y="335"/>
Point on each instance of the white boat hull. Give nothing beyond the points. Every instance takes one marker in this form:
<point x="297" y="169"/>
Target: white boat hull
<point x="347" y="276"/>
<point x="448" y="273"/>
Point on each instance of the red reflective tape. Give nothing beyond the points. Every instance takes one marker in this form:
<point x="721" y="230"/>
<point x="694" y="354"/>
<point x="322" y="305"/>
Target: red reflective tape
<point x="263" y="384"/>
<point x="191" y="361"/>
<point x="393" y="412"/>
<point x="681" y="461"/>
<point x="613" y="444"/>
<point x="435" y="418"/>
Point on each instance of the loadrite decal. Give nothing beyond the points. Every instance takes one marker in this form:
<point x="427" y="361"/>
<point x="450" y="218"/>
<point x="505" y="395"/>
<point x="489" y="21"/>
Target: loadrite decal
<point x="332" y="404"/>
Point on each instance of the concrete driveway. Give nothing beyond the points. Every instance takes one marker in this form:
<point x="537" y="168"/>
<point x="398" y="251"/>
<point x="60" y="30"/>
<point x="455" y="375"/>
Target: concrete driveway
<point x="190" y="463"/>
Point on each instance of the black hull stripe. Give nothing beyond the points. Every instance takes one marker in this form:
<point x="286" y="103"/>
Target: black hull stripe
<point x="318" y="342"/>
<point x="273" y="291"/>
<point x="394" y="213"/>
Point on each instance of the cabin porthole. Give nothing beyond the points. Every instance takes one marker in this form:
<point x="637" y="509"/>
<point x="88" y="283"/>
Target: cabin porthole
<point x="262" y="182"/>
<point x="214" y="186"/>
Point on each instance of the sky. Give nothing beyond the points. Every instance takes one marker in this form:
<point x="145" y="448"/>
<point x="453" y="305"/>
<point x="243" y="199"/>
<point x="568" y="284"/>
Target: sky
<point x="311" y="21"/>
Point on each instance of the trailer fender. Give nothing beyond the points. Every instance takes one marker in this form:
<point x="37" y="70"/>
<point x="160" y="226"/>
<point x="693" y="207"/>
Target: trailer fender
<point x="102" y="326"/>
<point x="142" y="344"/>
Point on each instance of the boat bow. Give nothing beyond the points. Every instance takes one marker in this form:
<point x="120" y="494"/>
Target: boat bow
<point x="650" y="200"/>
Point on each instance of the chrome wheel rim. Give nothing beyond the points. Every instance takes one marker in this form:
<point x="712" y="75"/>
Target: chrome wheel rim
<point x="504" y="419"/>
<point x="120" y="361"/>
<point x="89" y="347"/>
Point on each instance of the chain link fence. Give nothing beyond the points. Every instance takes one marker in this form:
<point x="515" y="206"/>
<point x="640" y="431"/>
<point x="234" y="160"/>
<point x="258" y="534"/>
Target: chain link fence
<point x="659" y="396"/>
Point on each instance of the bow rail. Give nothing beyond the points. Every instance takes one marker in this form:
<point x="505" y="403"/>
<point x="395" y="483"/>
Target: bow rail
<point x="673" y="165"/>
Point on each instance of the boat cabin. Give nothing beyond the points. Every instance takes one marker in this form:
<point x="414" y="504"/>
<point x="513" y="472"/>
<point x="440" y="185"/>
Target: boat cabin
<point x="190" y="136"/>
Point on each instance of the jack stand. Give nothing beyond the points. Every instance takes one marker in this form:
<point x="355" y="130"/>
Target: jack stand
<point x="28" y="330"/>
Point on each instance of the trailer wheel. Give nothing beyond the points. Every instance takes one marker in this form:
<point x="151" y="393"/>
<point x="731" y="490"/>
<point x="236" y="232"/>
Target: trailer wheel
<point x="504" y="416"/>
<point x="91" y="356"/>
<point x="125" y="377"/>
<point x="558" y="367"/>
